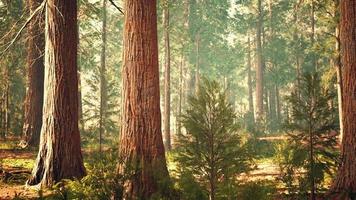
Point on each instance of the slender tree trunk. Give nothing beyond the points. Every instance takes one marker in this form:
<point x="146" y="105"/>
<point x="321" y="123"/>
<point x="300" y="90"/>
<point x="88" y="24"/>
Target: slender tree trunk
<point x="338" y="67"/>
<point x="80" y="104"/>
<point x="272" y="103"/>
<point x="35" y="76"/>
<point x="167" y="78"/>
<point x="345" y="181"/>
<point x="103" y="85"/>
<point x="7" y="103"/>
<point x="141" y="146"/>
<point x="314" y="59"/>
<point x="249" y="82"/>
<point x="59" y="156"/>
<point x="2" y="117"/>
<point x="278" y="105"/>
<point x="181" y="86"/>
<point x="197" y="72"/>
<point x="259" y="67"/>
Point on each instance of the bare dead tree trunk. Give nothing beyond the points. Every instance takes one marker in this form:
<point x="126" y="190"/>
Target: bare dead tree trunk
<point x="59" y="156"/>
<point x="345" y="181"/>
<point x="35" y="76"/>
<point x="141" y="146"/>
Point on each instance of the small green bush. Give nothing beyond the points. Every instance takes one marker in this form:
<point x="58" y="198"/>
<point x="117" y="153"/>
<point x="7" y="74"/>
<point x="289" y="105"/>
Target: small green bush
<point x="102" y="180"/>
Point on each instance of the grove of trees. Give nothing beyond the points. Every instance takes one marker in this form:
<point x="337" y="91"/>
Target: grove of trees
<point x="190" y="99"/>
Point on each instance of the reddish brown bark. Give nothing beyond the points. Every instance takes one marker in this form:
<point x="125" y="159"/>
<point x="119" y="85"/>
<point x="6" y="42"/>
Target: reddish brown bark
<point x="345" y="181"/>
<point x="59" y="155"/>
<point x="141" y="145"/>
<point x="35" y="75"/>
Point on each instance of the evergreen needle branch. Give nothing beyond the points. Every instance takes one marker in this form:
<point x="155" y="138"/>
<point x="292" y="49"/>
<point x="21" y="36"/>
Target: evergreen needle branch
<point x="38" y="9"/>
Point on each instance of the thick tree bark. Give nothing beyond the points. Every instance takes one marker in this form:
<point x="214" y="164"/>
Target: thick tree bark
<point x="141" y="146"/>
<point x="35" y="75"/>
<point x="167" y="78"/>
<point x="345" y="181"/>
<point x="59" y="156"/>
<point x="259" y="67"/>
<point x="103" y="85"/>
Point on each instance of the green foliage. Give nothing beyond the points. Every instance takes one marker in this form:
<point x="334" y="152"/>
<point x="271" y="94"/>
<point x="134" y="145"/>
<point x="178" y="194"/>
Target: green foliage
<point x="211" y="149"/>
<point x="102" y="180"/>
<point x="91" y="103"/>
<point x="312" y="117"/>
<point x="261" y="190"/>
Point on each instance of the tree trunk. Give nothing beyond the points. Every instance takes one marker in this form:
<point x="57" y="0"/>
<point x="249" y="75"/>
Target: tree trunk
<point x="103" y="85"/>
<point x="314" y="59"/>
<point x="345" y="181"/>
<point x="181" y="86"/>
<point x="167" y="78"/>
<point x="59" y="156"/>
<point x="197" y="73"/>
<point x="249" y="82"/>
<point x="80" y="104"/>
<point x="272" y="104"/>
<point x="35" y="75"/>
<point x="141" y="146"/>
<point x="259" y="67"/>
<point x="278" y="105"/>
<point x="7" y="103"/>
<point x="338" y="68"/>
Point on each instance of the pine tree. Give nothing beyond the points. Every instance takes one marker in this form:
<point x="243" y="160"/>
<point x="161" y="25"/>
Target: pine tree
<point x="211" y="150"/>
<point x="313" y="132"/>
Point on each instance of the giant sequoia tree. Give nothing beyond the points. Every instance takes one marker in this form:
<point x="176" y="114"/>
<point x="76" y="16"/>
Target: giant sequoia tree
<point x="35" y="76"/>
<point x="59" y="155"/>
<point x="345" y="181"/>
<point x="141" y="145"/>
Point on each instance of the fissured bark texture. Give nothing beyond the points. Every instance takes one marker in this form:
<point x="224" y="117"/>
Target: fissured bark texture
<point x="141" y="145"/>
<point x="345" y="181"/>
<point x="35" y="75"/>
<point x="60" y="155"/>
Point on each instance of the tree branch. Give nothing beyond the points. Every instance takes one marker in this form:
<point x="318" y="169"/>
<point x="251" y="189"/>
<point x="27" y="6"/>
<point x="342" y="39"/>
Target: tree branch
<point x="38" y="9"/>
<point x="117" y="7"/>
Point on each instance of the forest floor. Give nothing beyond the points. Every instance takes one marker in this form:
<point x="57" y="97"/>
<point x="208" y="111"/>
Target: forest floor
<point x="16" y="165"/>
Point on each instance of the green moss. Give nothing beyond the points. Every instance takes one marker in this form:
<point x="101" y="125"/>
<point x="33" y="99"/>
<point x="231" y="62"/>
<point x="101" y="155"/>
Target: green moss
<point x="26" y="163"/>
